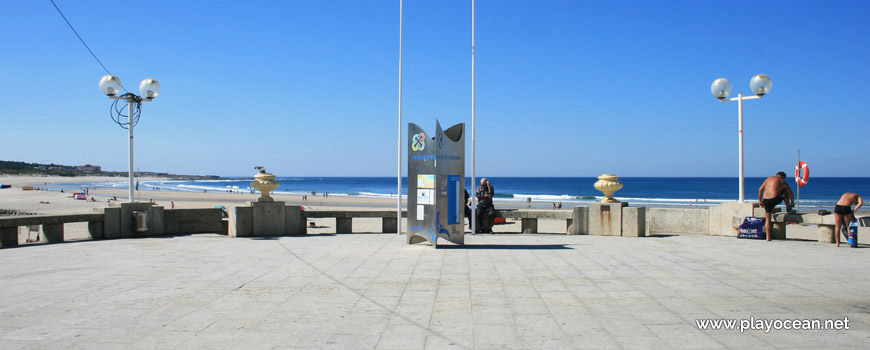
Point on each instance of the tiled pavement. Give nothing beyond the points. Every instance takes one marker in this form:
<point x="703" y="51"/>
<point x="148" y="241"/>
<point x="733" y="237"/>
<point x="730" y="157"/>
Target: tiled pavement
<point x="360" y="291"/>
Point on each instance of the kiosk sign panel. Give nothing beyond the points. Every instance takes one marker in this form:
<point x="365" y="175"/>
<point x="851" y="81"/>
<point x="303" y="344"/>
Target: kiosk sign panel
<point x="436" y="170"/>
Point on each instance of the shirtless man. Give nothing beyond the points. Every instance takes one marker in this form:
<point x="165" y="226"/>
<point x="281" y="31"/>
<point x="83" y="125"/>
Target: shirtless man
<point x="843" y="212"/>
<point x="770" y="194"/>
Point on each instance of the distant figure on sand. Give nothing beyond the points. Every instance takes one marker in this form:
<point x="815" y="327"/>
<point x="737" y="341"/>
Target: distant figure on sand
<point x="772" y="192"/>
<point x="843" y="212"/>
<point x="529" y="202"/>
<point x="560" y="205"/>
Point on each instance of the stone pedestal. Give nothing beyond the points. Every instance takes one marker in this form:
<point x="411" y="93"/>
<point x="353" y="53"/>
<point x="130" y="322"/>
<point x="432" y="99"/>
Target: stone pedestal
<point x="530" y="225"/>
<point x="241" y="222"/>
<point x="294" y="223"/>
<point x="265" y="219"/>
<point x="112" y="223"/>
<point x="8" y="237"/>
<point x="158" y="224"/>
<point x="343" y="225"/>
<point x="95" y="229"/>
<point x="826" y="234"/>
<point x="268" y="219"/>
<point x="53" y="233"/>
<point x="605" y="219"/>
<point x="389" y="225"/>
<point x="579" y="223"/>
<point x="633" y="222"/>
<point x="777" y="230"/>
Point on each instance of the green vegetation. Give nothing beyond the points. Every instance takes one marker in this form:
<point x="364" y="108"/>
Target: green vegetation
<point x="24" y="168"/>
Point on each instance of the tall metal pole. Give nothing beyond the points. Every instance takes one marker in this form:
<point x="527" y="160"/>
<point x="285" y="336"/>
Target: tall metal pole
<point x="399" y="143"/>
<point x="473" y="178"/>
<point x="740" y="133"/>
<point x="798" y="184"/>
<point x="130" y="103"/>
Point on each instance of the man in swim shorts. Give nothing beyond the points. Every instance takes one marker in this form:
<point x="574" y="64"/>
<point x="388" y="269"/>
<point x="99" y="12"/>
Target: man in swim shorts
<point x="772" y="192"/>
<point x="843" y="212"/>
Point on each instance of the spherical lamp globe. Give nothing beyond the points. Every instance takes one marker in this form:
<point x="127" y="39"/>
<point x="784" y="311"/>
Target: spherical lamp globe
<point x="721" y="88"/>
<point x="110" y="85"/>
<point x="760" y="84"/>
<point x="149" y="88"/>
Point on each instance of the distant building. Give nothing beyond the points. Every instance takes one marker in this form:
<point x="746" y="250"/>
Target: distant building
<point x="87" y="168"/>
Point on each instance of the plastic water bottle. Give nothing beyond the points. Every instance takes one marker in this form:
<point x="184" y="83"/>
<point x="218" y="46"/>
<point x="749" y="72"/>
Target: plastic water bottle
<point x="853" y="233"/>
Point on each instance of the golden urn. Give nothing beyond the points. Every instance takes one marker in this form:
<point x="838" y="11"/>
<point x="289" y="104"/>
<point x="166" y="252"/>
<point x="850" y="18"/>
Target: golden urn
<point x="608" y="183"/>
<point x="265" y="183"/>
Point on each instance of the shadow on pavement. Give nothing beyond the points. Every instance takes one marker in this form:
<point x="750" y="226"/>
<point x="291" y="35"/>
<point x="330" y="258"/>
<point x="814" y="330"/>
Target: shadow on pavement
<point x="507" y="246"/>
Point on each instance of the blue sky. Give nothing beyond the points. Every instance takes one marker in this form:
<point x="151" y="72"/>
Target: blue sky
<point x="564" y="88"/>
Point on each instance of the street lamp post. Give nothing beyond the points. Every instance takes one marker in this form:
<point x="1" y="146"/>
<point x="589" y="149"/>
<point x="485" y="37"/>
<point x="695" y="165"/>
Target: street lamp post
<point x="111" y="86"/>
<point x="760" y="84"/>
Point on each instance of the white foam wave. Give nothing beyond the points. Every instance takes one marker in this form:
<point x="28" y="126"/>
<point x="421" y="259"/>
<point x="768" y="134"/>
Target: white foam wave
<point x="543" y="197"/>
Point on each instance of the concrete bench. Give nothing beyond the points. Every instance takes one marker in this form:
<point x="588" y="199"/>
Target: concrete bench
<point x="530" y="217"/>
<point x="344" y="218"/>
<point x="52" y="226"/>
<point x="778" y="224"/>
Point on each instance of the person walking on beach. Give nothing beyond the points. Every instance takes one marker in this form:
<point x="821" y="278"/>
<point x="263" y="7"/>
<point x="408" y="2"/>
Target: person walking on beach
<point x="485" y="209"/>
<point x="843" y="212"/>
<point x="772" y="192"/>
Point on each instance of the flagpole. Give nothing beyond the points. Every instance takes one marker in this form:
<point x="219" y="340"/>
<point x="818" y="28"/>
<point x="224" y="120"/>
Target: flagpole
<point x="798" y="185"/>
<point x="473" y="150"/>
<point x="399" y="145"/>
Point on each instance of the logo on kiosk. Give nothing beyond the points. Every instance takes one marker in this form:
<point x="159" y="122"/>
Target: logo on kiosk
<point x="418" y="142"/>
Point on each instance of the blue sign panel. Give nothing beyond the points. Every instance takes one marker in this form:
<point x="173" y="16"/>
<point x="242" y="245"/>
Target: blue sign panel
<point x="454" y="202"/>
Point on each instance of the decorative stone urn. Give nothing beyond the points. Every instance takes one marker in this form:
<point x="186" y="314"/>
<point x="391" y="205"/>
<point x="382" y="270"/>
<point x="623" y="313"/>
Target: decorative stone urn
<point x="265" y="183"/>
<point x="608" y="183"/>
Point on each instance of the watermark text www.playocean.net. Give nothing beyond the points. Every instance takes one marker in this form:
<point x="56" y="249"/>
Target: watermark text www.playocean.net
<point x="768" y="325"/>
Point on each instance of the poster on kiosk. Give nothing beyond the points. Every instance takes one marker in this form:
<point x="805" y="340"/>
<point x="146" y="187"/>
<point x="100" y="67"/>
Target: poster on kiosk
<point x="436" y="184"/>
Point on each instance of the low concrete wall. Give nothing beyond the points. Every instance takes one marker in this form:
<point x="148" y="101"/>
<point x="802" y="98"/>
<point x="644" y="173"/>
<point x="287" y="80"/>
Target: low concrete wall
<point x="678" y="220"/>
<point x="52" y="226"/>
<point x="181" y="221"/>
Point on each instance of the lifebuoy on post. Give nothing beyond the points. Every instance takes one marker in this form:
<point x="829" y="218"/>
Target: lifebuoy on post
<point x="801" y="173"/>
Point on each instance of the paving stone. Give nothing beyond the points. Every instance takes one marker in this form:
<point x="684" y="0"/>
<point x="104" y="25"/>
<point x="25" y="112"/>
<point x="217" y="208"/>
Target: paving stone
<point x="374" y="291"/>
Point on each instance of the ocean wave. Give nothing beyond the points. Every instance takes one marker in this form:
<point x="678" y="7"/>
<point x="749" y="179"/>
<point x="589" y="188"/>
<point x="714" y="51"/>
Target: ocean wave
<point x="549" y="197"/>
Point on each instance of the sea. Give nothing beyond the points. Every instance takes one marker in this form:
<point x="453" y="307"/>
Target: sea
<point x="818" y="193"/>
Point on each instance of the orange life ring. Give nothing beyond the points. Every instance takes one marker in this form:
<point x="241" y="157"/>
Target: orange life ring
<point x="802" y="173"/>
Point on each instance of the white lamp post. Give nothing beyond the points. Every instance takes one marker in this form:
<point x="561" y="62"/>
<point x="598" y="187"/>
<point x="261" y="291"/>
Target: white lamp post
<point x="760" y="84"/>
<point x="111" y="86"/>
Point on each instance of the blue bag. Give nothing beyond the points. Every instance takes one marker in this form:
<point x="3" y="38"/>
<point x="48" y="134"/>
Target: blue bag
<point x="752" y="228"/>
